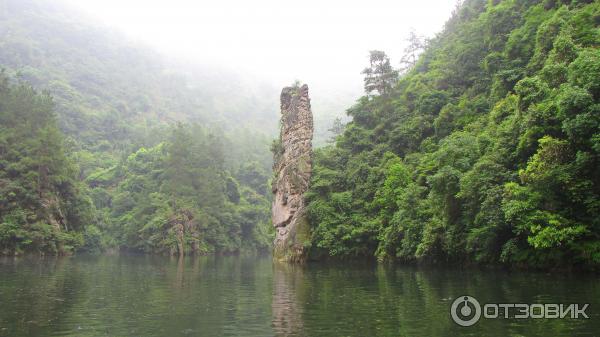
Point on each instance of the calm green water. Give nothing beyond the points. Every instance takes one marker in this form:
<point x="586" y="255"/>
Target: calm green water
<point x="240" y="296"/>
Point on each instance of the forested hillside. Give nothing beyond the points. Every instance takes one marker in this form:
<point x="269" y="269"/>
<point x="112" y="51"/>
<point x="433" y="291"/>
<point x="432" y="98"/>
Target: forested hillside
<point x="486" y="151"/>
<point x="176" y="197"/>
<point x="109" y="88"/>
<point x="179" y="196"/>
<point x="119" y="172"/>
<point x="43" y="207"/>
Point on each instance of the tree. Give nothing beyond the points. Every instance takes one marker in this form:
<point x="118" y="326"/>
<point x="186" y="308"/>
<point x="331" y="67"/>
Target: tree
<point x="379" y="76"/>
<point x="416" y="45"/>
<point x="489" y="153"/>
<point x="337" y="128"/>
<point x="42" y="205"/>
<point x="178" y="164"/>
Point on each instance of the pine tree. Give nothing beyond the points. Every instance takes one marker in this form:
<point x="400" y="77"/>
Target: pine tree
<point x="379" y="76"/>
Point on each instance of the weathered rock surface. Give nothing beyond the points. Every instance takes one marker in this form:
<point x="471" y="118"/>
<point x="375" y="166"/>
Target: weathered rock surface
<point x="293" y="169"/>
<point x="184" y="224"/>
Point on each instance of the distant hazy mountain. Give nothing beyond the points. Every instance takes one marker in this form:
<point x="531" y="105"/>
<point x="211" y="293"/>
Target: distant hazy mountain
<point x="108" y="88"/>
<point x="103" y="83"/>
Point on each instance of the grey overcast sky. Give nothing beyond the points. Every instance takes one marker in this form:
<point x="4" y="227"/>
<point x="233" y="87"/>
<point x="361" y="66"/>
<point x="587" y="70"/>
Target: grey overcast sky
<point x="324" y="42"/>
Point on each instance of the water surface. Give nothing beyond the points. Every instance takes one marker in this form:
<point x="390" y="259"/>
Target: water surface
<point x="251" y="296"/>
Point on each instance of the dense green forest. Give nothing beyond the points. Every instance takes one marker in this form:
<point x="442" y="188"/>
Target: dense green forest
<point x="112" y="155"/>
<point x="175" y="197"/>
<point x="117" y="116"/>
<point x="485" y="151"/>
<point x="179" y="194"/>
<point x="43" y="206"/>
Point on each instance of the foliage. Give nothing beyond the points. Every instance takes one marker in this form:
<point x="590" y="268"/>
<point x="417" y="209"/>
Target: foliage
<point x="485" y="151"/>
<point x="178" y="197"/>
<point x="379" y="76"/>
<point x="43" y="207"/>
<point x="124" y="175"/>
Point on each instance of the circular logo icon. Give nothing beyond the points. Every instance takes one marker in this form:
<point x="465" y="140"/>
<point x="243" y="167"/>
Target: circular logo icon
<point x="465" y="311"/>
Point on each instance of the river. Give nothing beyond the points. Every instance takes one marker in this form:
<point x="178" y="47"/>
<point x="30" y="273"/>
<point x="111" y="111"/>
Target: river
<point x="251" y="296"/>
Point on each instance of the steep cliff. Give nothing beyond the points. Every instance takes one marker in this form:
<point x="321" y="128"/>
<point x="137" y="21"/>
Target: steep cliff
<point x="293" y="168"/>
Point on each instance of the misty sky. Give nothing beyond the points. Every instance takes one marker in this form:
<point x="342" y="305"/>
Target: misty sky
<point x="322" y="42"/>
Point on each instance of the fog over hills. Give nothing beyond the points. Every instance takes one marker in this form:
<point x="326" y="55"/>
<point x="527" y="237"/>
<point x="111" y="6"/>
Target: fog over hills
<point x="103" y="81"/>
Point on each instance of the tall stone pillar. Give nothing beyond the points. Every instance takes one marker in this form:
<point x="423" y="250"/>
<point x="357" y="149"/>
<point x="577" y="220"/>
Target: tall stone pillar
<point x="293" y="169"/>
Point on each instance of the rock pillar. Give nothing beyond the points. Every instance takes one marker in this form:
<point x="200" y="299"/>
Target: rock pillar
<point x="293" y="168"/>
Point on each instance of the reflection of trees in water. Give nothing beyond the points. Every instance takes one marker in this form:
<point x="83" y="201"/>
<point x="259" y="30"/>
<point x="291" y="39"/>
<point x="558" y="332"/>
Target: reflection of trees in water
<point x="286" y="307"/>
<point x="417" y="300"/>
<point x="38" y="293"/>
<point x="178" y="282"/>
<point x="208" y="296"/>
<point x="347" y="300"/>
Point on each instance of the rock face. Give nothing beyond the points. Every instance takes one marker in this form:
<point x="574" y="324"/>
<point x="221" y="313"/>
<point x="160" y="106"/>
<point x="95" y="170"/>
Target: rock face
<point x="183" y="223"/>
<point x="293" y="168"/>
